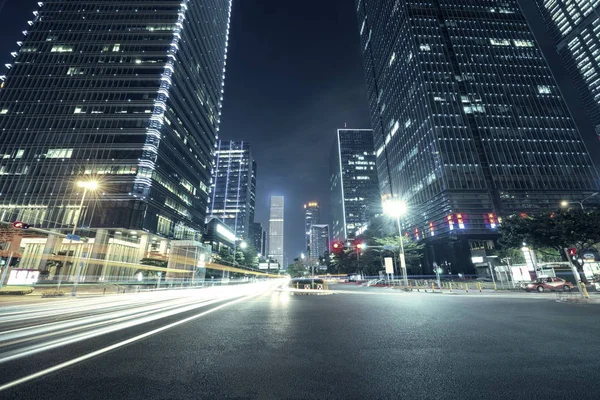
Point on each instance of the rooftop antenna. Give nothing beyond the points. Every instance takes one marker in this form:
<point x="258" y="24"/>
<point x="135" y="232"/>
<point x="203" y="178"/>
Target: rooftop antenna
<point x="345" y="124"/>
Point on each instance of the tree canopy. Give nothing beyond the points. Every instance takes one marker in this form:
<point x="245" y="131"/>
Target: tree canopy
<point x="555" y="230"/>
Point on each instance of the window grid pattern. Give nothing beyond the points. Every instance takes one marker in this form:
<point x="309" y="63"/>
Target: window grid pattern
<point x="234" y="187"/>
<point x="575" y="27"/>
<point x="125" y="92"/>
<point x="480" y="126"/>
<point x="354" y="182"/>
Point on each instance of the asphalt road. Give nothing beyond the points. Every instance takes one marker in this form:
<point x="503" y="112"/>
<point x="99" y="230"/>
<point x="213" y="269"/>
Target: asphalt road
<point x="359" y="343"/>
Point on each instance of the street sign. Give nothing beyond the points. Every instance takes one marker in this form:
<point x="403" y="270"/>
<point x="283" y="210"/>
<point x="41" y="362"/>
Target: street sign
<point x="70" y="236"/>
<point x="389" y="265"/>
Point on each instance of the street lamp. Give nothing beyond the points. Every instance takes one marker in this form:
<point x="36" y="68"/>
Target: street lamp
<point x="86" y="185"/>
<point x="243" y="245"/>
<point x="396" y="209"/>
<point x="566" y="203"/>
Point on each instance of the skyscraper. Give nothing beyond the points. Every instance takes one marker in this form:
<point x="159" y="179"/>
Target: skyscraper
<point x="355" y="197"/>
<point x="575" y="28"/>
<point x="276" y="229"/>
<point x="125" y="93"/>
<point x="311" y="216"/>
<point x="234" y="186"/>
<point x="319" y="241"/>
<point x="256" y="237"/>
<point x="468" y="121"/>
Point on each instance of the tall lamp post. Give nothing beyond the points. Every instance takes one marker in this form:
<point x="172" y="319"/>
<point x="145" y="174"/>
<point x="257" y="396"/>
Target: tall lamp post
<point x="566" y="203"/>
<point x="396" y="209"/>
<point x="86" y="185"/>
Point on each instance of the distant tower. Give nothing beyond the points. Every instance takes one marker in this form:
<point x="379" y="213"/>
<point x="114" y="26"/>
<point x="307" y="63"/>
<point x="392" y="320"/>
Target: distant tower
<point x="355" y="197"/>
<point x="276" y="229"/>
<point x="311" y="217"/>
<point x="319" y="241"/>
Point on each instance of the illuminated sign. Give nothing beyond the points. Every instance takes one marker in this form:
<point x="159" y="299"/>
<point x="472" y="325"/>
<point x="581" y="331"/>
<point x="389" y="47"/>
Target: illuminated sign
<point x="226" y="233"/>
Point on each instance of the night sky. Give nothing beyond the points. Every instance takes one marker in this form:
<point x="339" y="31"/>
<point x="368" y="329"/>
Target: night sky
<point x="294" y="75"/>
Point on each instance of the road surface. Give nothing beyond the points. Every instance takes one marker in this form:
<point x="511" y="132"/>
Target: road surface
<point x="260" y="343"/>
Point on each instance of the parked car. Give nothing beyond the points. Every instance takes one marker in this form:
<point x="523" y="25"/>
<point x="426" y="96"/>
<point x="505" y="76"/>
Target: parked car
<point x="544" y="284"/>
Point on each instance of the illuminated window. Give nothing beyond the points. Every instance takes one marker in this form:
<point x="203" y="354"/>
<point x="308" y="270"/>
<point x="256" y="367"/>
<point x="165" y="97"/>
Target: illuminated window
<point x="543" y="89"/>
<point x="523" y="43"/>
<point x="61" y="48"/>
<point x="116" y="47"/>
<point x="500" y="42"/>
<point x="59" y="153"/>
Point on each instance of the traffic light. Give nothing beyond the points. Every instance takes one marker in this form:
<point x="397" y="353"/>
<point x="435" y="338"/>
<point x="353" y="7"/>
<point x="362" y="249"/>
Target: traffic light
<point x="21" y="225"/>
<point x="337" y="247"/>
<point x="572" y="252"/>
<point x="358" y="245"/>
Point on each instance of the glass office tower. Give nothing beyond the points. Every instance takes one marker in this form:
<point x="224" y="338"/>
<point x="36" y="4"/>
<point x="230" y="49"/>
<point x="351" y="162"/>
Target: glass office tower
<point x="575" y="28"/>
<point x="355" y="196"/>
<point x="319" y="242"/>
<point x="234" y="187"/>
<point x="127" y="93"/>
<point x="276" y="243"/>
<point x="469" y="124"/>
<point x="312" y="215"/>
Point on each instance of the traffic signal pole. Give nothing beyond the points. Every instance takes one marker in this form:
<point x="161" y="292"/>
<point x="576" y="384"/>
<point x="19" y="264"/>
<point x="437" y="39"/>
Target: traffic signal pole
<point x="575" y="273"/>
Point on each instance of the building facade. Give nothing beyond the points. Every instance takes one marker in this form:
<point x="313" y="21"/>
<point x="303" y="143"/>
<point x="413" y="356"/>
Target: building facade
<point x="233" y="191"/>
<point x="126" y="97"/>
<point x="319" y="241"/>
<point x="311" y="216"/>
<point x="469" y="124"/>
<point x="355" y="196"/>
<point x="575" y="28"/>
<point x="256" y="237"/>
<point x="123" y="93"/>
<point x="276" y="208"/>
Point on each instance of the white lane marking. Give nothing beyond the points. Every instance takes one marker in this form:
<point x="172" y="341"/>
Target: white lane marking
<point x="103" y="350"/>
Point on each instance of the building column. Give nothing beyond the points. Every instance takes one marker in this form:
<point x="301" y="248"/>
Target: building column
<point x="98" y="252"/>
<point x="162" y="248"/>
<point x="143" y="249"/>
<point x="52" y="244"/>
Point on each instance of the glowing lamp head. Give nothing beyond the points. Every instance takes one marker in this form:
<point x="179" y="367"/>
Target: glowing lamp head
<point x="89" y="185"/>
<point x="394" y="208"/>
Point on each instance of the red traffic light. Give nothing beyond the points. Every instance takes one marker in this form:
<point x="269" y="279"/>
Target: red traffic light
<point x="572" y="252"/>
<point x="337" y="247"/>
<point x="20" y="225"/>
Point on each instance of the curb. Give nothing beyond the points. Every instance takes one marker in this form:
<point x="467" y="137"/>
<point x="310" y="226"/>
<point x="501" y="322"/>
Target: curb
<point x="579" y="301"/>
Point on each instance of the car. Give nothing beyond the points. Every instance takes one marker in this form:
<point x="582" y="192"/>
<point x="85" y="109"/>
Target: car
<point x="551" y="283"/>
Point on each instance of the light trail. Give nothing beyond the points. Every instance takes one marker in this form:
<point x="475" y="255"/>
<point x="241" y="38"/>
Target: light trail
<point x="62" y="324"/>
<point x="256" y="292"/>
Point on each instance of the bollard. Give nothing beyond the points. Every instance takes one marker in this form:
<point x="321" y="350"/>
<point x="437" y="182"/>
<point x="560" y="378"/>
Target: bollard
<point x="584" y="291"/>
<point x="466" y="287"/>
<point x="450" y="287"/>
<point x="432" y="287"/>
<point x="480" y="286"/>
<point x="495" y="287"/>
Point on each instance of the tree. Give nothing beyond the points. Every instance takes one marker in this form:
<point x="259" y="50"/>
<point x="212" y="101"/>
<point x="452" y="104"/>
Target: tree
<point x="553" y="230"/>
<point x="250" y="259"/>
<point x="413" y="251"/>
<point x="297" y="269"/>
<point x="225" y="255"/>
